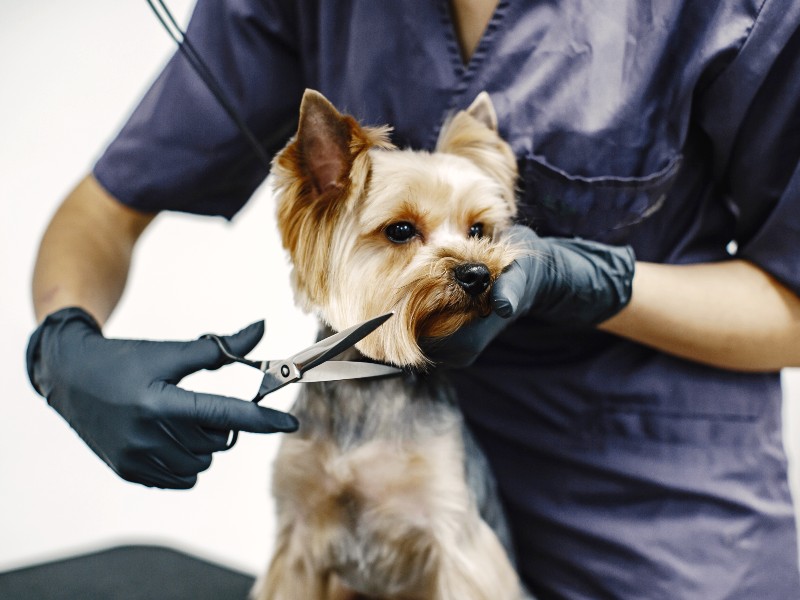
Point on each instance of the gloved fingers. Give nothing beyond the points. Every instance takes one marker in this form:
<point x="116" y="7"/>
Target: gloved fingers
<point x="187" y="465"/>
<point x="201" y="440"/>
<point x="520" y="236"/>
<point x="224" y="413"/>
<point x="160" y="476"/>
<point x="175" y="458"/>
<point x="206" y="441"/>
<point x="462" y="348"/>
<point x="184" y="358"/>
<point x="511" y="291"/>
<point x="508" y="290"/>
<point x="163" y="455"/>
<point x="150" y="470"/>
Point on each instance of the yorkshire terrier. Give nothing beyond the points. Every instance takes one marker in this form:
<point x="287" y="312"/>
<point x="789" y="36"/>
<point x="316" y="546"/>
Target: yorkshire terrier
<point x="382" y="493"/>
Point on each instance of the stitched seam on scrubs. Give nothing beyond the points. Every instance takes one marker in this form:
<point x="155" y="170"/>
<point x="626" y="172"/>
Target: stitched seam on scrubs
<point x="757" y="23"/>
<point x="647" y="182"/>
<point x="447" y="23"/>
<point x="462" y="71"/>
<point x="485" y="43"/>
<point x="693" y="416"/>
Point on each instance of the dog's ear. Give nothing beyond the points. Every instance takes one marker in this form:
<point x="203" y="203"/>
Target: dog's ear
<point x="328" y="153"/>
<point x="482" y="110"/>
<point x="317" y="178"/>
<point x="472" y="134"/>
<point x="323" y="142"/>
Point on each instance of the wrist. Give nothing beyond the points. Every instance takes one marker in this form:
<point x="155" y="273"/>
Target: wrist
<point x="33" y="353"/>
<point x="583" y="283"/>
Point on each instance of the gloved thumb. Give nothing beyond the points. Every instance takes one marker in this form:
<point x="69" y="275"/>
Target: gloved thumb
<point x="243" y="342"/>
<point x="204" y="353"/>
<point x="508" y="290"/>
<point x="512" y="290"/>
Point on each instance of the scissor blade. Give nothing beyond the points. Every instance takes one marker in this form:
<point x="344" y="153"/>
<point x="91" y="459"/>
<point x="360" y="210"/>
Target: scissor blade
<point x="336" y="344"/>
<point x="275" y="377"/>
<point x="334" y="370"/>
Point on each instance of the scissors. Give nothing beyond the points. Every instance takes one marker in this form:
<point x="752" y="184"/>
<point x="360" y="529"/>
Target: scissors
<point x="313" y="363"/>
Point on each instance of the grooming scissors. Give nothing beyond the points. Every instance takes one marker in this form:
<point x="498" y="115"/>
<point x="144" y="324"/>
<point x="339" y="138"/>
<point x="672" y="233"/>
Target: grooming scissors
<point x="314" y="363"/>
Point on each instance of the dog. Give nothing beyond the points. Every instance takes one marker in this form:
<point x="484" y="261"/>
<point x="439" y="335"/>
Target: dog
<point x="382" y="493"/>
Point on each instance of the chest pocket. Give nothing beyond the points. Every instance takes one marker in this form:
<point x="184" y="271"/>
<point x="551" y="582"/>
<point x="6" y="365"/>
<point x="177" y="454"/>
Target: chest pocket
<point x="602" y="208"/>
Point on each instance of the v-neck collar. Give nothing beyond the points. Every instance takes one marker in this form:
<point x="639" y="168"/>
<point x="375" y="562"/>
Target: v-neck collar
<point x="449" y="30"/>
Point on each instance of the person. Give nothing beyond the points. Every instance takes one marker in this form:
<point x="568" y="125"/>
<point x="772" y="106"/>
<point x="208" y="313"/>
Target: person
<point x="638" y="447"/>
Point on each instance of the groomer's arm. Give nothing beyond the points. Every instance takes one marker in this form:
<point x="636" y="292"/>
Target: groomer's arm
<point x="730" y="314"/>
<point x="122" y="396"/>
<point x="85" y="252"/>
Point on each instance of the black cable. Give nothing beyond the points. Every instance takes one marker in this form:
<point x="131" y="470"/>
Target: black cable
<point x="201" y="68"/>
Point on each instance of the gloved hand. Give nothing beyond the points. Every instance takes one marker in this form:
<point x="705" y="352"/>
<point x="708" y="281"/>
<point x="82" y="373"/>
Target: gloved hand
<point x="561" y="282"/>
<point x="121" y="397"/>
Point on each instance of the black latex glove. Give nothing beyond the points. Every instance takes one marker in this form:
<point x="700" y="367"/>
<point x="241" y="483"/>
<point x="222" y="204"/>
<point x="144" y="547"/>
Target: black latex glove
<point x="571" y="283"/>
<point x="121" y="397"/>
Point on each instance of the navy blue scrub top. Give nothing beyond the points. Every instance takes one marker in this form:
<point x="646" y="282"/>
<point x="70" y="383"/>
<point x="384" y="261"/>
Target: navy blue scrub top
<point x="672" y="126"/>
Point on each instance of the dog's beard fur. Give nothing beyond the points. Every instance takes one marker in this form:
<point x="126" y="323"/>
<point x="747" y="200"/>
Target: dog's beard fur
<point x="340" y="185"/>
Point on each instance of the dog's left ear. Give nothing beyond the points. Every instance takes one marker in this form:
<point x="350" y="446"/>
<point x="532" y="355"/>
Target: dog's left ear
<point x="472" y="133"/>
<point x="482" y="110"/>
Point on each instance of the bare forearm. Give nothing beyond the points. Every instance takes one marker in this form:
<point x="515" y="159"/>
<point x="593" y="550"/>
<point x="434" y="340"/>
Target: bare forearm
<point x="85" y="253"/>
<point x="731" y="315"/>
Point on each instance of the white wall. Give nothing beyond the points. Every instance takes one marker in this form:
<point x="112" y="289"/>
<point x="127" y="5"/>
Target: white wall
<point x="69" y="73"/>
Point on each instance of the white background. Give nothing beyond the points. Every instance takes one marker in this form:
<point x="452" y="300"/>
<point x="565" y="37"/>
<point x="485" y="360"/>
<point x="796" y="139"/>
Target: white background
<point x="69" y="74"/>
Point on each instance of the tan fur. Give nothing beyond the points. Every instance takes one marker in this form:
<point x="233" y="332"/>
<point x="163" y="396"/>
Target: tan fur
<point x="410" y="499"/>
<point x="371" y="493"/>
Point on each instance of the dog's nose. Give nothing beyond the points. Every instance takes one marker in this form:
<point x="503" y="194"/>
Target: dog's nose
<point x="474" y="278"/>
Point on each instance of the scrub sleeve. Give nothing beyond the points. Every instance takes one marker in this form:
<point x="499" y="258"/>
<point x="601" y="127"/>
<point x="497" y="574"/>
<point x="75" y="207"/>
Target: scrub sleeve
<point x="179" y="150"/>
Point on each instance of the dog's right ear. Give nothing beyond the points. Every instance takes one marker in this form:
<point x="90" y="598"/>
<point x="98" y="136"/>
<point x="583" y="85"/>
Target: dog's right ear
<point x="324" y="143"/>
<point x="328" y="154"/>
<point x="318" y="177"/>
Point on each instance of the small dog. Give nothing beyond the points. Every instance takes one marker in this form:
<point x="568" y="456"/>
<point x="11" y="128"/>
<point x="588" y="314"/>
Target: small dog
<point x="382" y="493"/>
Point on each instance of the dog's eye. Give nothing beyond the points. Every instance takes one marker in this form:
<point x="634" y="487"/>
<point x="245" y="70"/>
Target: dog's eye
<point x="476" y="230"/>
<point x="400" y="233"/>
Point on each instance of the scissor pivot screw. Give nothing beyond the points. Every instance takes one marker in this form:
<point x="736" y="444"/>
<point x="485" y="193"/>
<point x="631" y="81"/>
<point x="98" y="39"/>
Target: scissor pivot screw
<point x="285" y="370"/>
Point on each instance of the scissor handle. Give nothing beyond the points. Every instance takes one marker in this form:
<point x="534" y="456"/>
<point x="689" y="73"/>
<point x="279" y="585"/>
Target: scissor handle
<point x="228" y="353"/>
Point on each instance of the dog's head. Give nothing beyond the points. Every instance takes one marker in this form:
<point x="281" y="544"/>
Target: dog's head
<point x="372" y="229"/>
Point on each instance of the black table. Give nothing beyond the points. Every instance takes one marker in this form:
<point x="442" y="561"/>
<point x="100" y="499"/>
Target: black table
<point x="126" y="573"/>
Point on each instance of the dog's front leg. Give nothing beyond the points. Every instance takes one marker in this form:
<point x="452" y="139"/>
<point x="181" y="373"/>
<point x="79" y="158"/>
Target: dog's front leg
<point x="290" y="575"/>
<point x="478" y="568"/>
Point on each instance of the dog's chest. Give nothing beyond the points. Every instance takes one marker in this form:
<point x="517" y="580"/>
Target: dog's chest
<point x="371" y="473"/>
